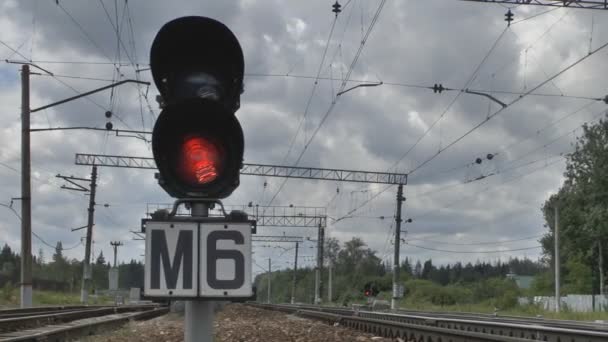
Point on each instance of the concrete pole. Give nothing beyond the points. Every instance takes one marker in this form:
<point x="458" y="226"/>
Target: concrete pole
<point x="295" y="272"/>
<point x="269" y="275"/>
<point x="198" y="325"/>
<point x="26" y="192"/>
<point x="398" y="220"/>
<point x="329" y="285"/>
<point x="557" y="262"/>
<point x="319" y="271"/>
<point x="86" y="265"/>
<point x="115" y="245"/>
<point x="601" y="262"/>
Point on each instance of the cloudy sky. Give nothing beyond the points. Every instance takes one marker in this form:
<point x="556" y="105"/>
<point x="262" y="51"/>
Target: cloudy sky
<point x="398" y="126"/>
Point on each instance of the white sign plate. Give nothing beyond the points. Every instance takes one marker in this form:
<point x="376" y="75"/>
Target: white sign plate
<point x="225" y="260"/>
<point x="171" y="259"/>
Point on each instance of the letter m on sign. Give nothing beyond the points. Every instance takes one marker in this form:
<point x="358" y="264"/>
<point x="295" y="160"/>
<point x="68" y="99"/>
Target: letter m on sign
<point x="171" y="259"/>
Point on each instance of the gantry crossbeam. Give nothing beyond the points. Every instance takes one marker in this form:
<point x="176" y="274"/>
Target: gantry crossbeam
<point x="587" y="4"/>
<point x="258" y="170"/>
<point x="266" y="216"/>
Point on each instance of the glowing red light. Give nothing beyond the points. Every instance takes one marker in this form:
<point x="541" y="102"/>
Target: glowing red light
<point x="200" y="161"/>
<point x="367" y="293"/>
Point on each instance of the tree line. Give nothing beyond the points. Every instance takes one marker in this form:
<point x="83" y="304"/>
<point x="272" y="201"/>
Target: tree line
<point x="354" y="265"/>
<point x="62" y="274"/>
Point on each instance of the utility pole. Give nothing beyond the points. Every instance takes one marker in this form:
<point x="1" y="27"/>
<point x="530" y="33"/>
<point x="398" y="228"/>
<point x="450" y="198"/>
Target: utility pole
<point x="26" y="192"/>
<point x="115" y="245"/>
<point x="26" y="187"/>
<point x="556" y="257"/>
<point x="601" y="257"/>
<point x="269" y="274"/>
<point x="329" y="286"/>
<point x="86" y="270"/>
<point x="318" y="273"/>
<point x="398" y="220"/>
<point x="295" y="272"/>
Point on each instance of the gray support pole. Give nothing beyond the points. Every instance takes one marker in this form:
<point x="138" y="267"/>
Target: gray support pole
<point x="295" y="272"/>
<point x="329" y="285"/>
<point x="322" y="259"/>
<point x="318" y="268"/>
<point x="601" y="262"/>
<point x="269" y="281"/>
<point x="198" y="325"/>
<point x="398" y="220"/>
<point x="86" y="265"/>
<point x="557" y="261"/>
<point x="26" y="192"/>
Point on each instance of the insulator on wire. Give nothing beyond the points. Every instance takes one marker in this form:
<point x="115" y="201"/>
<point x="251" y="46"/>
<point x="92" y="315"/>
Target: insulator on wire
<point x="478" y="160"/>
<point x="337" y="8"/>
<point x="438" y="88"/>
<point x="509" y="17"/>
<point x="108" y="114"/>
<point x="109" y="126"/>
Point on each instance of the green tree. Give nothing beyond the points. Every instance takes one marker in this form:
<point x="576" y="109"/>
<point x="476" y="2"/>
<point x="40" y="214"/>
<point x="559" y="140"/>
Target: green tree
<point x="581" y="202"/>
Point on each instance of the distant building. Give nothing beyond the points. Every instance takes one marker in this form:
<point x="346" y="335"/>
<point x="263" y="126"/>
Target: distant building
<point x="523" y="282"/>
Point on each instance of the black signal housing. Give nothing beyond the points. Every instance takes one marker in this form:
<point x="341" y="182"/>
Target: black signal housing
<point x="197" y="65"/>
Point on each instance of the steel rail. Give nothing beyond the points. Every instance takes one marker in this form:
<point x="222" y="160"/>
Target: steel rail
<point x="35" y="320"/>
<point x="513" y="319"/>
<point x="533" y="331"/>
<point x="392" y="329"/>
<point x="84" y="327"/>
<point x="38" y="309"/>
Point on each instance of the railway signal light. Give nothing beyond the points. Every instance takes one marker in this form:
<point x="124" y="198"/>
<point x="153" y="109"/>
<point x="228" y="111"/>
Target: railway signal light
<point x="370" y="290"/>
<point x="197" y="65"/>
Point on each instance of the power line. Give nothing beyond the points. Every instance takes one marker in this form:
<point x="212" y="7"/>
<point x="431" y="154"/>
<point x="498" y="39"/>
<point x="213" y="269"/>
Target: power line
<point x="469" y="81"/>
<point x="312" y="92"/>
<point x="501" y="110"/>
<point x="474" y="252"/>
<point x="476" y="243"/>
<point x="489" y="187"/>
<point x="86" y="34"/>
<point x="335" y="99"/>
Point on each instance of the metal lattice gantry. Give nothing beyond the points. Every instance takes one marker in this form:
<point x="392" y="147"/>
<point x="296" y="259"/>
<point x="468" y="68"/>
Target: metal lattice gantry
<point x="587" y="4"/>
<point x="277" y="238"/>
<point x="257" y="170"/>
<point x="269" y="216"/>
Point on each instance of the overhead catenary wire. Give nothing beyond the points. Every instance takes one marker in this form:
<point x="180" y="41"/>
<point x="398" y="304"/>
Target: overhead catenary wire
<point x="501" y="110"/>
<point x="335" y="99"/>
<point x="474" y="252"/>
<point x="314" y="88"/>
<point x="476" y="243"/>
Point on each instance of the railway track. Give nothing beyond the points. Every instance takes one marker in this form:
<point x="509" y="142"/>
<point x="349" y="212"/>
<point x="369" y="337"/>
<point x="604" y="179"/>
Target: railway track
<point x="65" y="323"/>
<point x="431" y="327"/>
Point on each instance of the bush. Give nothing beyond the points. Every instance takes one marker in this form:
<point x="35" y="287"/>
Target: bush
<point x="7" y="291"/>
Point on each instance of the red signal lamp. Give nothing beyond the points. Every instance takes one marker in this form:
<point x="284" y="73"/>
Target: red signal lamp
<point x="200" y="162"/>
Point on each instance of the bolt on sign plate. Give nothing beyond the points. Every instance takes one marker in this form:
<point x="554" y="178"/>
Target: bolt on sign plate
<point x="203" y="260"/>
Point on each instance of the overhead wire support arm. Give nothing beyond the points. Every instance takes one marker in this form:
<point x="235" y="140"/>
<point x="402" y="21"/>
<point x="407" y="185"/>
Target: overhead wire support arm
<point x="504" y="105"/>
<point x="359" y="86"/>
<point x="87" y="94"/>
<point x="585" y="4"/>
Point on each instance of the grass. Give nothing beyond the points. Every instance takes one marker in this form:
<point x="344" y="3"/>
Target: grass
<point x="9" y="297"/>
